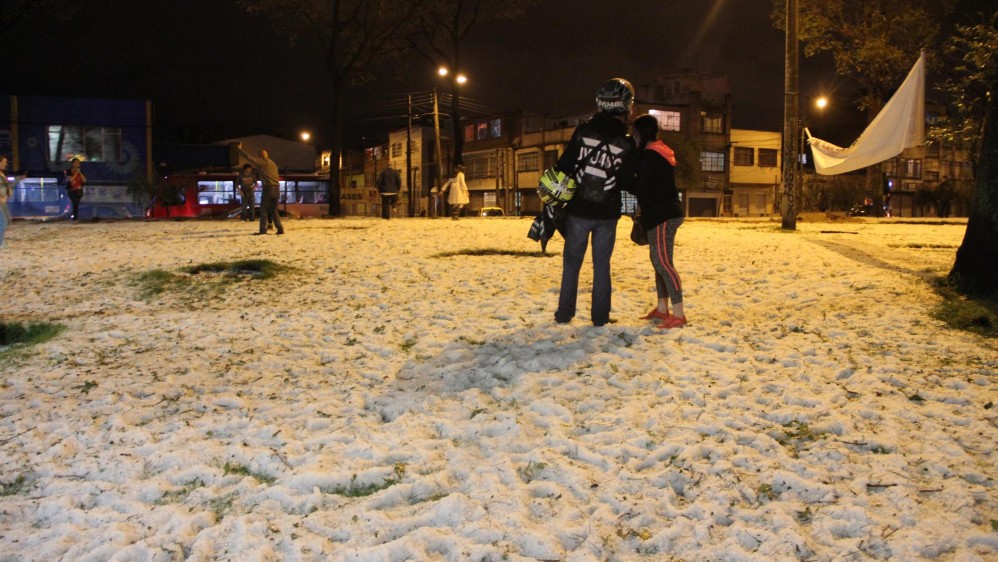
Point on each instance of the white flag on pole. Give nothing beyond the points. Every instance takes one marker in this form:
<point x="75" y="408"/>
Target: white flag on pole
<point x="899" y="125"/>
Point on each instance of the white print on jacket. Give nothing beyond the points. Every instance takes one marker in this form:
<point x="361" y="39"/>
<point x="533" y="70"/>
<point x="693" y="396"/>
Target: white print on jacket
<point x="608" y="159"/>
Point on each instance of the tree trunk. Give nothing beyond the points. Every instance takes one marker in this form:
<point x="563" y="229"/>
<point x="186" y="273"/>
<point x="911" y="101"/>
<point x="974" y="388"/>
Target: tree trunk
<point x="976" y="268"/>
<point x="335" y="150"/>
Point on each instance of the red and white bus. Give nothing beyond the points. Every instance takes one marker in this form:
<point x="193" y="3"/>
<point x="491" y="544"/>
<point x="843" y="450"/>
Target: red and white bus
<point x="217" y="195"/>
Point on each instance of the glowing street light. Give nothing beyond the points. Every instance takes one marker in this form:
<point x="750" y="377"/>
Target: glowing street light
<point x="305" y="136"/>
<point x="821" y="102"/>
<point x="457" y="80"/>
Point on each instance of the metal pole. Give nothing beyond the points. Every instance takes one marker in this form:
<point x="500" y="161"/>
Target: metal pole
<point x="408" y="161"/>
<point x="790" y="118"/>
<point x="440" y="154"/>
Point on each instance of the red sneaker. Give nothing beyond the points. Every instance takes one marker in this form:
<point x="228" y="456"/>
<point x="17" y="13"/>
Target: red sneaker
<point x="672" y="322"/>
<point x="655" y="314"/>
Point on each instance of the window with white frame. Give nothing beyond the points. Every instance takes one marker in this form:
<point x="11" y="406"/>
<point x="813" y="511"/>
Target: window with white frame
<point x="712" y="161"/>
<point x="667" y="120"/>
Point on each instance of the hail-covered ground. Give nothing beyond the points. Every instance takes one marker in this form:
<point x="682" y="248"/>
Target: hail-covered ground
<point x="401" y="392"/>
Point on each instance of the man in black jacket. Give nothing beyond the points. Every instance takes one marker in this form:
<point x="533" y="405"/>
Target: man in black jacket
<point x="599" y="158"/>
<point x="389" y="183"/>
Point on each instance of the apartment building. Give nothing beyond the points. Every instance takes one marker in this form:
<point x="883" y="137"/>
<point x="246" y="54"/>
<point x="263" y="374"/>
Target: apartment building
<point x="755" y="178"/>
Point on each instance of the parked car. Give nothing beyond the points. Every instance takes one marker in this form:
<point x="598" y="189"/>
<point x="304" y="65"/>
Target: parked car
<point x="866" y="211"/>
<point x="491" y="212"/>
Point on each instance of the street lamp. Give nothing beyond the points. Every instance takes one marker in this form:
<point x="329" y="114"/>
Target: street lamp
<point x="455" y="81"/>
<point x="820" y="103"/>
<point x="305" y="136"/>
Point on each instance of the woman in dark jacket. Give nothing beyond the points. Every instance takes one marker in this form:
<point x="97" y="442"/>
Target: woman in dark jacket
<point x="661" y="216"/>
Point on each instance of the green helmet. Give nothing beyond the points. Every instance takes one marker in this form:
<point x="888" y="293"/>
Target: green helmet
<point x="555" y="187"/>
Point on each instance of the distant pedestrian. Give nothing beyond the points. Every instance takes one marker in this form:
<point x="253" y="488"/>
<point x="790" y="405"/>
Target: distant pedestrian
<point x="266" y="170"/>
<point x="247" y="183"/>
<point x="6" y="191"/>
<point x="75" y="180"/>
<point x="661" y="216"/>
<point x="389" y="184"/>
<point x="598" y="157"/>
<point x="458" y="196"/>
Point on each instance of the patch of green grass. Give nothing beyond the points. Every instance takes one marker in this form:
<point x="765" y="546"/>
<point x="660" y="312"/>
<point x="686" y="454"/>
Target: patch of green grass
<point x="766" y="491"/>
<point x="492" y="252"/>
<point x="257" y="268"/>
<point x="796" y="434"/>
<point x="13" y="333"/>
<point x="355" y="490"/>
<point x="965" y="312"/>
<point x="14" y="487"/>
<point x="180" y="494"/>
<point x="157" y="281"/>
<point x="231" y="468"/>
<point x="531" y="471"/>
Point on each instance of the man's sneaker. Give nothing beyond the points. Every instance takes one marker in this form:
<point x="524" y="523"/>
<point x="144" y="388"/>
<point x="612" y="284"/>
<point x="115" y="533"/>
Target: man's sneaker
<point x="672" y="322"/>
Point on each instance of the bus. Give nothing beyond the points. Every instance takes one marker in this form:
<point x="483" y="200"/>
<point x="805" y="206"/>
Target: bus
<point x="45" y="198"/>
<point x="217" y="195"/>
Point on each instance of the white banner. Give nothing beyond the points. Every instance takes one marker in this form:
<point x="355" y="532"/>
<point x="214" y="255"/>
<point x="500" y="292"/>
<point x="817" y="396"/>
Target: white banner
<point x="899" y="125"/>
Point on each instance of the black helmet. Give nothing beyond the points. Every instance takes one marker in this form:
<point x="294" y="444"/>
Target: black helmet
<point x="615" y="97"/>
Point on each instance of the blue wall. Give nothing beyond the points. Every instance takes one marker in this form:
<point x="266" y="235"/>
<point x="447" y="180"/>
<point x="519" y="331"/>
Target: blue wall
<point x="24" y="122"/>
<point x="34" y="114"/>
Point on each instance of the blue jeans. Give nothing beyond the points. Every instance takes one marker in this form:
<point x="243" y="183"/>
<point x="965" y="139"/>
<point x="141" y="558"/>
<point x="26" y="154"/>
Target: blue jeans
<point x="268" y="210"/>
<point x="4" y="221"/>
<point x="577" y="231"/>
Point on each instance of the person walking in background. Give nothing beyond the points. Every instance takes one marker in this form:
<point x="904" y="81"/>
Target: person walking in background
<point x="247" y="183"/>
<point x="598" y="157"/>
<point x="661" y="216"/>
<point x="266" y="170"/>
<point x="75" y="180"/>
<point x="389" y="184"/>
<point x="458" y="196"/>
<point x="6" y="191"/>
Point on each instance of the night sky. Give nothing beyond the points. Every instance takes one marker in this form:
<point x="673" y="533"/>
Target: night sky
<point x="213" y="71"/>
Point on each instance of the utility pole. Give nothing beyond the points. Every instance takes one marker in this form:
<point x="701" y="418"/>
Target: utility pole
<point x="408" y="162"/>
<point x="790" y="118"/>
<point x="440" y="154"/>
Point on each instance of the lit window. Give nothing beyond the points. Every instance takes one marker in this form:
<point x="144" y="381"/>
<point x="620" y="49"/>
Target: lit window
<point x="910" y="168"/>
<point x="483" y="131"/>
<point x="711" y="122"/>
<point x="712" y="161"/>
<point x="667" y="120"/>
<point x="91" y="144"/>
<point x="495" y="128"/>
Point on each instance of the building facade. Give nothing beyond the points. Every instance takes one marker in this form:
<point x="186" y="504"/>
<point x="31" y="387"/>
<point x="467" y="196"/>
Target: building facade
<point x="755" y="174"/>
<point x="41" y="135"/>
